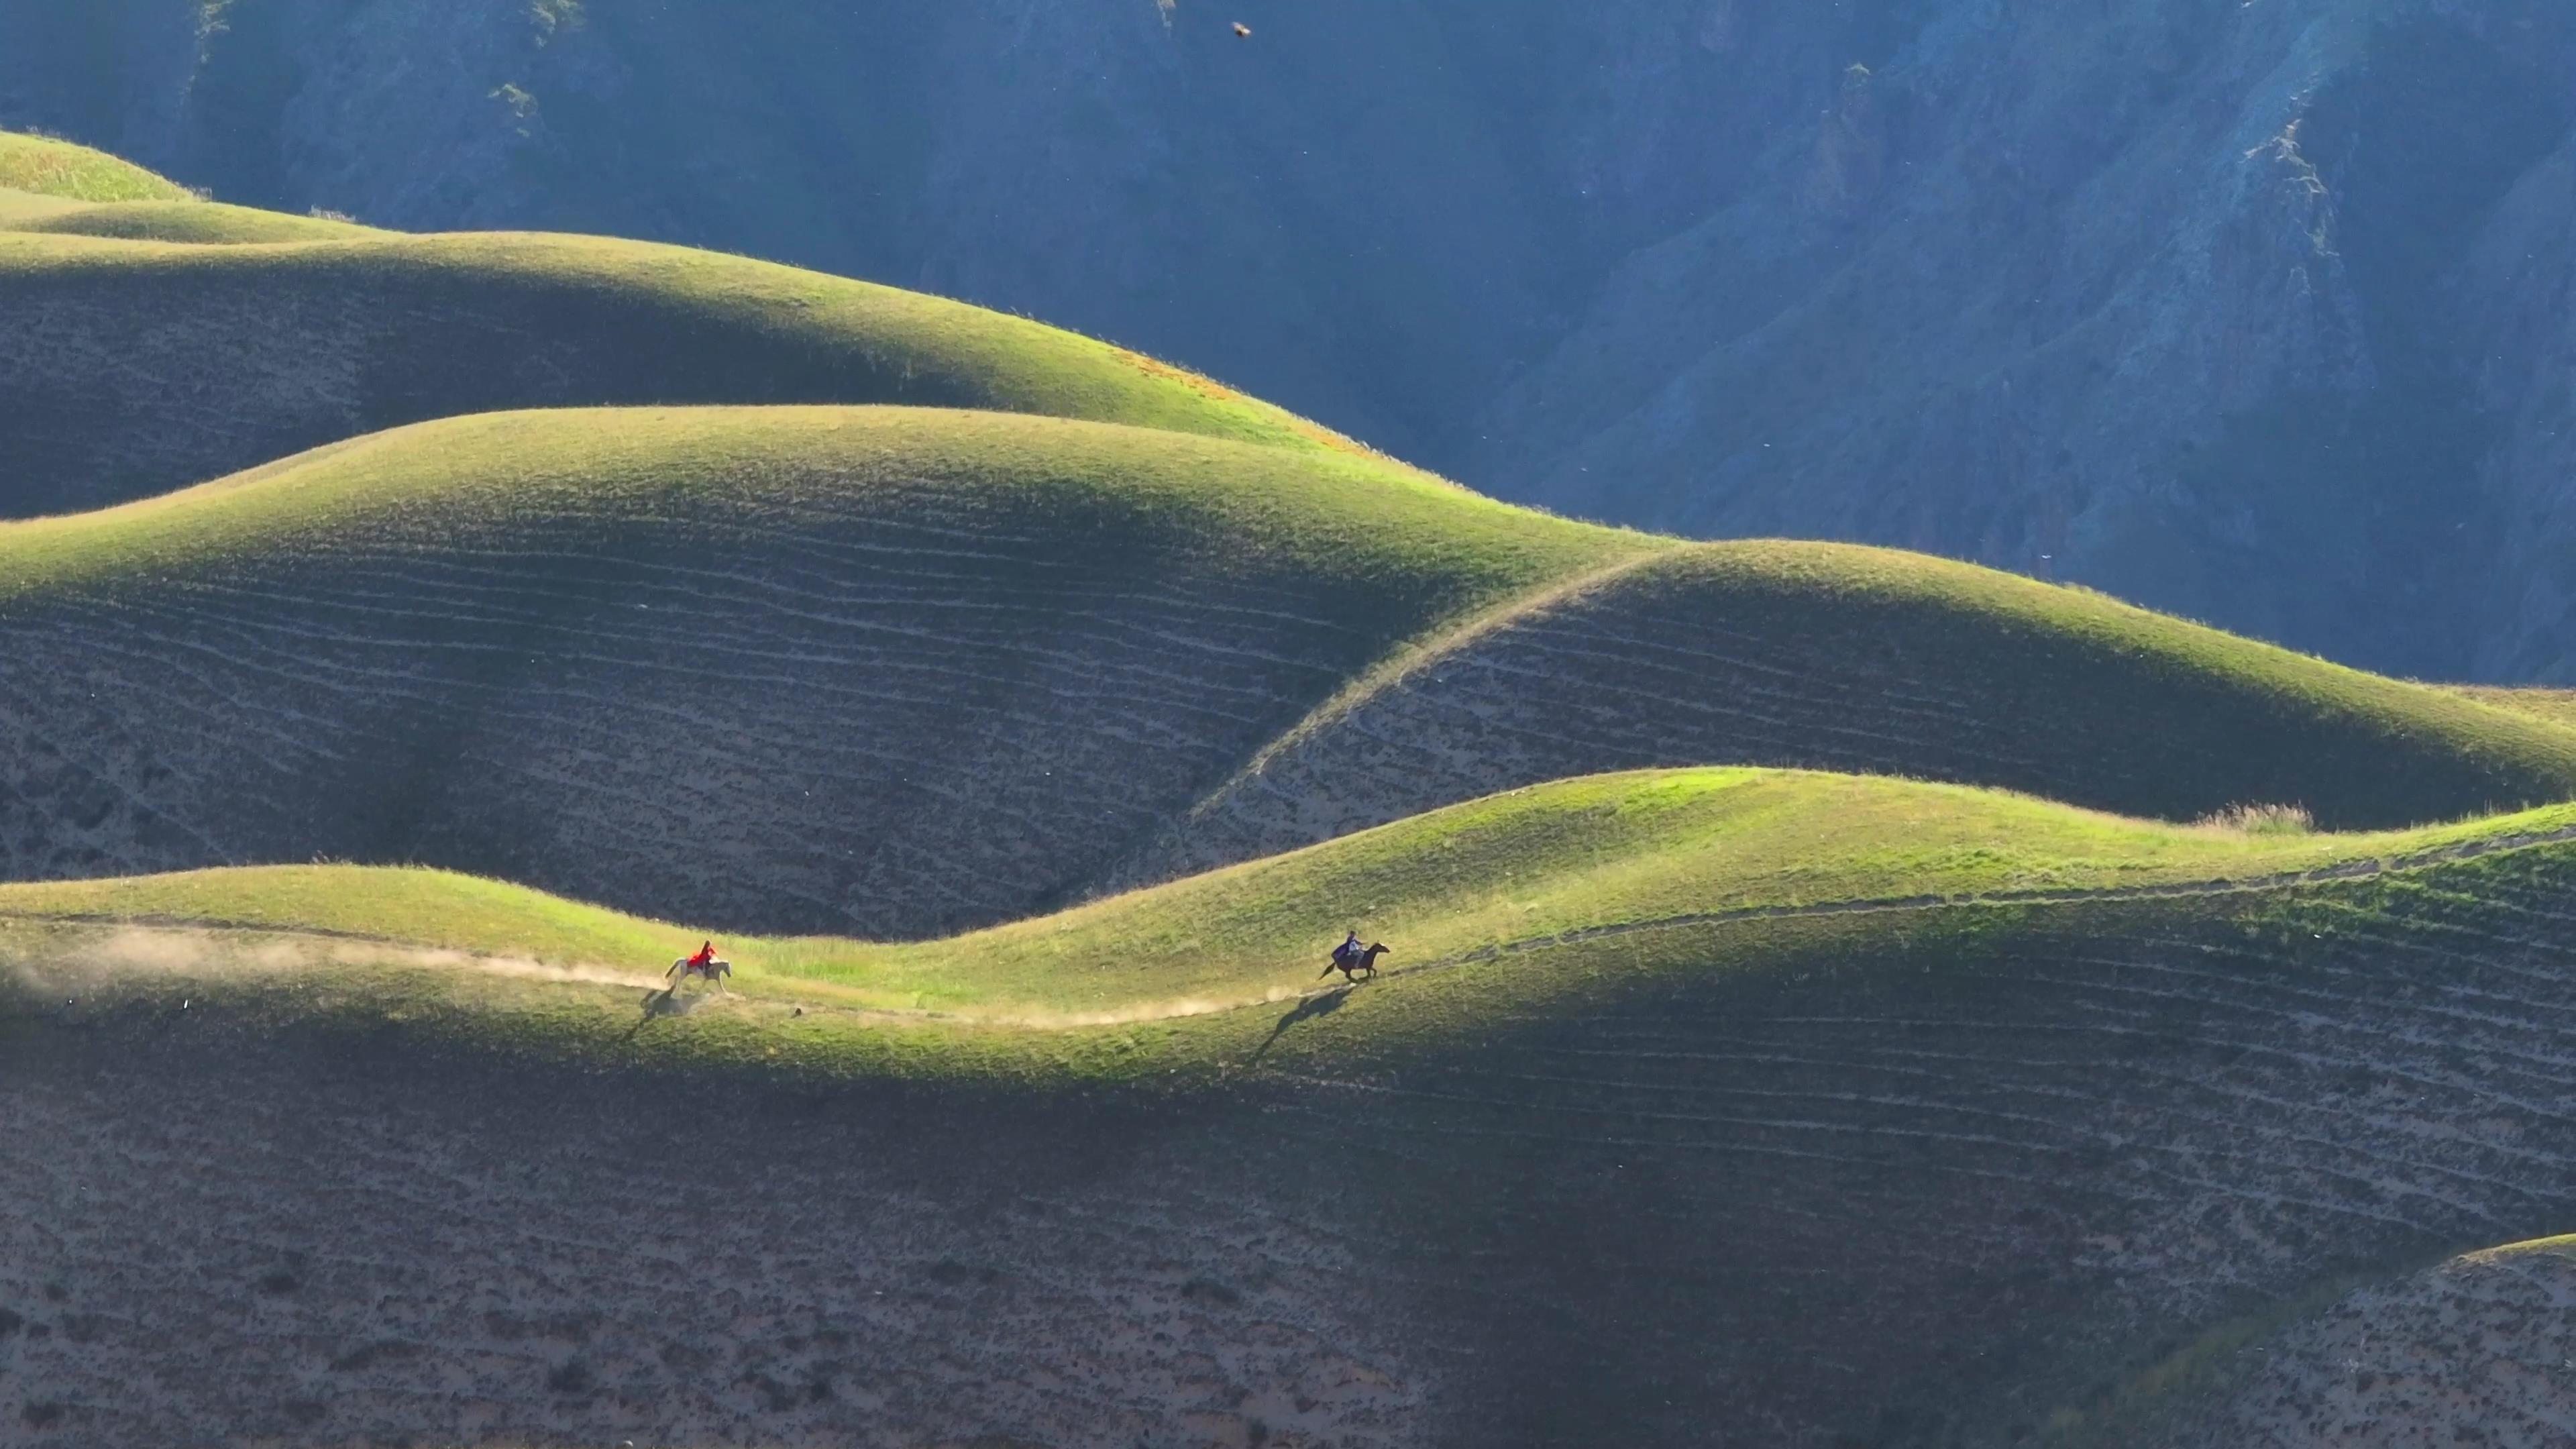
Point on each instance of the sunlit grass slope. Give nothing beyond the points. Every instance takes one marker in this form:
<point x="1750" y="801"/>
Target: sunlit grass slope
<point x="1598" y="1042"/>
<point x="1847" y="658"/>
<point x="303" y="342"/>
<point x="48" y="167"/>
<point x="900" y="672"/>
<point x="876" y="670"/>
<point x="203" y="223"/>
<point x="2558" y="706"/>
<point x="1338" y="516"/>
<point x="1535" y="869"/>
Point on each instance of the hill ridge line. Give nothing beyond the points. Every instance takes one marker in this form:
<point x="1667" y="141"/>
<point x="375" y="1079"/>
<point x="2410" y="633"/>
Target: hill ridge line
<point x="1427" y="650"/>
<point x="2365" y="869"/>
<point x="500" y="963"/>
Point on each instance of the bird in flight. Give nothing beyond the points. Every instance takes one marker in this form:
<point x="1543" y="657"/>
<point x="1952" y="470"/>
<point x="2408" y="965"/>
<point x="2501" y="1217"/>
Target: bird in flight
<point x="1242" y="31"/>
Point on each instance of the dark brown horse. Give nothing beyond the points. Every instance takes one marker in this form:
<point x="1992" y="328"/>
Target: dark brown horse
<point x="1355" y="964"/>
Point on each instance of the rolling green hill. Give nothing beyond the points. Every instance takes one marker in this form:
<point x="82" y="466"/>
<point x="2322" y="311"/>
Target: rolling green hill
<point x="203" y="223"/>
<point x="900" y="672"/>
<point x="1838" y="996"/>
<point x="906" y="671"/>
<point x="291" y="346"/>
<point x="1533" y="870"/>
<point x="876" y="670"/>
<point x="2558" y="706"/>
<point x="1829" y="657"/>
<point x="44" y="166"/>
<point x="1667" y="1071"/>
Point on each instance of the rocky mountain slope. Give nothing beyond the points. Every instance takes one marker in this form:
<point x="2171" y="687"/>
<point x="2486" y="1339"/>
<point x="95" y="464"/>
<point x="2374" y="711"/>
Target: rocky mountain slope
<point x="2254" y="312"/>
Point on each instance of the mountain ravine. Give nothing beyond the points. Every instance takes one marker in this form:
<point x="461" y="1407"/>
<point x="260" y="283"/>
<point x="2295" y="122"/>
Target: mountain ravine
<point x="2258" y="312"/>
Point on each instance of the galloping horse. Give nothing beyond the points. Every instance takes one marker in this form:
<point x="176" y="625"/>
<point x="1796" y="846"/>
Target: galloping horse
<point x="684" y="968"/>
<point x="1353" y="963"/>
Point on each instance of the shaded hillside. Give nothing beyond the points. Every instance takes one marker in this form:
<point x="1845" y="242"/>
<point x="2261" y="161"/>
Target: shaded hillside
<point x="1846" y="659"/>
<point x="1910" y="1177"/>
<point x="878" y="670"/>
<point x="2474" y="1350"/>
<point x="283" y="348"/>
<point x="2251" y="312"/>
<point x="898" y="671"/>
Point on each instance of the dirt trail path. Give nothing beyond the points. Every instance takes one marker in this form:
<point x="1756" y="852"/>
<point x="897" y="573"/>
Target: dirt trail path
<point x="144" y="944"/>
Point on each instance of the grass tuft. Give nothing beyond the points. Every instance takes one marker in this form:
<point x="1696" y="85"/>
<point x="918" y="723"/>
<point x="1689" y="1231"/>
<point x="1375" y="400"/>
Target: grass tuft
<point x="2260" y="820"/>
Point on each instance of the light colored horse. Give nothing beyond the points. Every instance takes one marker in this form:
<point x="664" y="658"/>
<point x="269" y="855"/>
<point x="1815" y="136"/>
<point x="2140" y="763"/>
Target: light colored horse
<point x="681" y="970"/>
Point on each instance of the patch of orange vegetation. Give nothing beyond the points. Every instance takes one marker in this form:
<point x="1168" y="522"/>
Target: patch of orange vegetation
<point x="1199" y="383"/>
<point x="1209" y="387"/>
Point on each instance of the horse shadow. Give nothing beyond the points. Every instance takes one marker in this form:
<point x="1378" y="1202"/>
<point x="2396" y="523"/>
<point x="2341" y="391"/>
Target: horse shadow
<point x="1306" y="1010"/>
<point x="660" y="1003"/>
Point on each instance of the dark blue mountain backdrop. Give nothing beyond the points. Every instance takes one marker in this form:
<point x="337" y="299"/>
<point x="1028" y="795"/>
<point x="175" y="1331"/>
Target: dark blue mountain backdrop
<point x="2259" y="313"/>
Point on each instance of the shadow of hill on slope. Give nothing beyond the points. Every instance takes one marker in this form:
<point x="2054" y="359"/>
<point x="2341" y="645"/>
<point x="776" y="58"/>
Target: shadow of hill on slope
<point x="900" y="672"/>
<point x="1911" y="1180"/>
<point x="284" y="348"/>
<point x="1927" y="1183"/>
<point x="1831" y="657"/>
<point x="874" y="671"/>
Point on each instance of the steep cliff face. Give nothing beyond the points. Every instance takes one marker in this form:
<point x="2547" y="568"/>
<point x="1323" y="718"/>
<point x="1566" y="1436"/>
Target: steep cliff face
<point x="2251" y="311"/>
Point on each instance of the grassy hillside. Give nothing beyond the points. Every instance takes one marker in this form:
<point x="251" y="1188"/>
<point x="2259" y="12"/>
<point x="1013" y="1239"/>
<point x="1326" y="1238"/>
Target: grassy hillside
<point x="2558" y="706"/>
<point x="203" y="223"/>
<point x="872" y="670"/>
<point x="352" y="803"/>
<point x="291" y="346"/>
<point x="1624" y="1101"/>
<point x="44" y="166"/>
<point x="1527" y="871"/>
<point x="1841" y="658"/>
<point x="902" y="672"/>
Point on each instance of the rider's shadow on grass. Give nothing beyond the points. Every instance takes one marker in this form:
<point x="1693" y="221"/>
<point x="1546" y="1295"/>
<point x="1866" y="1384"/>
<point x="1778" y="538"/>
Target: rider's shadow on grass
<point x="660" y="1003"/>
<point x="1306" y="1010"/>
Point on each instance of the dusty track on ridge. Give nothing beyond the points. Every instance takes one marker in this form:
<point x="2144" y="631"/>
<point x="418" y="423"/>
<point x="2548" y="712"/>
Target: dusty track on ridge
<point x="360" y="947"/>
<point x="1922" y="1196"/>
